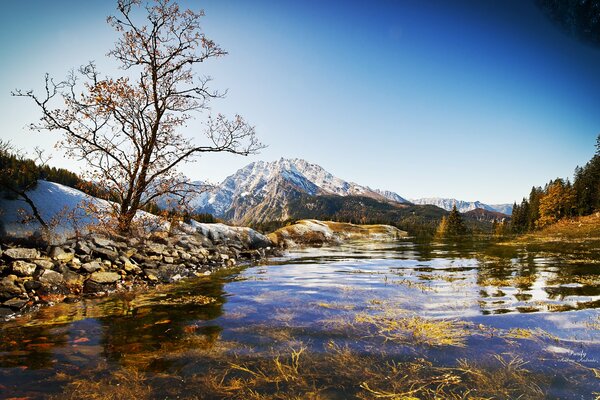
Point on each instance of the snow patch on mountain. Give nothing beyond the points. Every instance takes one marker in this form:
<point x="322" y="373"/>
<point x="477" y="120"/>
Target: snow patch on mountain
<point x="461" y="205"/>
<point x="259" y="180"/>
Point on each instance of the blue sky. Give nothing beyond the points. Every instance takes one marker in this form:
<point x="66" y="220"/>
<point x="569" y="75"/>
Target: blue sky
<point x="477" y="100"/>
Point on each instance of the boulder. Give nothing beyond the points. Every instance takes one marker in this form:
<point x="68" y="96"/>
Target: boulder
<point x="220" y="233"/>
<point x="51" y="278"/>
<point x="130" y="267"/>
<point x="73" y="281"/>
<point x="151" y="274"/>
<point x="155" y="248"/>
<point x="9" y="288"/>
<point x="102" y="242"/>
<point x="45" y="264"/>
<point x="32" y="285"/>
<point x="57" y="253"/>
<point x="22" y="268"/>
<point x="106" y="253"/>
<point x="91" y="266"/>
<point x="82" y="248"/>
<point x="101" y="281"/>
<point x="21" y="253"/>
<point x="171" y="273"/>
<point x="104" y="277"/>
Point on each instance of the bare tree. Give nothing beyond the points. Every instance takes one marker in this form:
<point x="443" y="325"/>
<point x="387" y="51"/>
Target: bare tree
<point x="128" y="130"/>
<point x="18" y="175"/>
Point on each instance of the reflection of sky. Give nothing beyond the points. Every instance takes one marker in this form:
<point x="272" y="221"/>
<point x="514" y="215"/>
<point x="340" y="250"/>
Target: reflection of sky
<point x="441" y="287"/>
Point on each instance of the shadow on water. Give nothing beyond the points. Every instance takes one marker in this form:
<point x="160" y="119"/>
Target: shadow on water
<point x="367" y="320"/>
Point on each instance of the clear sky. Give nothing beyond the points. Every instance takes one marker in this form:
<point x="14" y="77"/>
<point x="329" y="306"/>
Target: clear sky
<point x="477" y="100"/>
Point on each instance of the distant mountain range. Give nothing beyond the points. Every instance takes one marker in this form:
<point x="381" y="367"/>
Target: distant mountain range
<point x="295" y="188"/>
<point x="463" y="206"/>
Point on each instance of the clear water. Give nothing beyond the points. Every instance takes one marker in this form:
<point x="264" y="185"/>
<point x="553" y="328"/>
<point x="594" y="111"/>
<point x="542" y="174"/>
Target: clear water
<point x="397" y="321"/>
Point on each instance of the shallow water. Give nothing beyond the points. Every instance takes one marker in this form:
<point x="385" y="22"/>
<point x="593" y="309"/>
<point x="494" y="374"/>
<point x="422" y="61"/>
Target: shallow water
<point x="400" y="320"/>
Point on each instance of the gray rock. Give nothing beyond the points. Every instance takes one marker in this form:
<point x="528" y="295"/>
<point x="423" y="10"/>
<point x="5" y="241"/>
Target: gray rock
<point x="73" y="280"/>
<point x="59" y="254"/>
<point x="104" y="277"/>
<point x="15" y="303"/>
<point x="107" y="253"/>
<point x="155" y="248"/>
<point x="5" y="312"/>
<point x="130" y="267"/>
<point x="22" y="268"/>
<point x="171" y="273"/>
<point x="83" y="248"/>
<point x="51" y="278"/>
<point x="20" y="253"/>
<point x="91" y="266"/>
<point x="9" y="288"/>
<point x="102" y="242"/>
<point x="151" y="274"/>
<point x="45" y="264"/>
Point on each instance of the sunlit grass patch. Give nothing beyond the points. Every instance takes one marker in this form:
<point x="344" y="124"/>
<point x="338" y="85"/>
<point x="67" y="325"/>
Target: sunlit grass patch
<point x="413" y="329"/>
<point x="530" y="334"/>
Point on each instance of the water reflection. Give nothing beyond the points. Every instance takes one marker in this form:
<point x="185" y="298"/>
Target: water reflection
<point x="382" y="301"/>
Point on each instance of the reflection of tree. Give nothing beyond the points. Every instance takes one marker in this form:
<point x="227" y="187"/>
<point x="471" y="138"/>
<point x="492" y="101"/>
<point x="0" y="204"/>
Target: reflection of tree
<point x="163" y="320"/>
<point x="30" y="348"/>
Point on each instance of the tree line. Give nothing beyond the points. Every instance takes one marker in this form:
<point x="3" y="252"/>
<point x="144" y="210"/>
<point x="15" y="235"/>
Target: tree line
<point x="560" y="198"/>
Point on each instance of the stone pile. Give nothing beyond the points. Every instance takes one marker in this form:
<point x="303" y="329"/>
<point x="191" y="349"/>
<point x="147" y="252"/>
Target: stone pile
<point x="98" y="264"/>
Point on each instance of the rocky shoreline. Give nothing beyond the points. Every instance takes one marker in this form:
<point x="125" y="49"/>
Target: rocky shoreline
<point x="96" y="265"/>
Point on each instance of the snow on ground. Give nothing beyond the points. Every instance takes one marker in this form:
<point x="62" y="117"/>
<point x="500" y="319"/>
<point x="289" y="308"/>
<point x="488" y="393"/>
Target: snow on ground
<point x="57" y="204"/>
<point x="64" y="208"/>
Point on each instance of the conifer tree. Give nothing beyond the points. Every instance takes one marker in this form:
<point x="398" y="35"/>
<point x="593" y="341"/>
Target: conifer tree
<point x="452" y="226"/>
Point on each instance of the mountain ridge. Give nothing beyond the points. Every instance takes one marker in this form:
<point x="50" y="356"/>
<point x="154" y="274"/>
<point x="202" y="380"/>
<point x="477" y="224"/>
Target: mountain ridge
<point x="261" y="190"/>
<point x="462" y="205"/>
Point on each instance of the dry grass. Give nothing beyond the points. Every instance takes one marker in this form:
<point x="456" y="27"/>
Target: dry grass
<point x="413" y="329"/>
<point x="123" y="384"/>
<point x="336" y="372"/>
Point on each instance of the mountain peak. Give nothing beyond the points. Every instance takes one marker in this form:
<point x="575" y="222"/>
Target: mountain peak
<point x="258" y="182"/>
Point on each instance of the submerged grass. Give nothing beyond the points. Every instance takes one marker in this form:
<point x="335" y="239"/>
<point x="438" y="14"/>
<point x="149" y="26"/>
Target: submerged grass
<point x="414" y="329"/>
<point x="337" y="372"/>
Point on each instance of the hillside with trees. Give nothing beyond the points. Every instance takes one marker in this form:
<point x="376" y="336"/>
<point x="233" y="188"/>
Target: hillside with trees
<point x="560" y="199"/>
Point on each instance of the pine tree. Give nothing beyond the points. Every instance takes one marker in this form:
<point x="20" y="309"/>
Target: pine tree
<point x="452" y="226"/>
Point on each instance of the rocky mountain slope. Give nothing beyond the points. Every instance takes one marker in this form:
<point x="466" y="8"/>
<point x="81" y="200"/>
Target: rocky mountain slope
<point x="262" y="191"/>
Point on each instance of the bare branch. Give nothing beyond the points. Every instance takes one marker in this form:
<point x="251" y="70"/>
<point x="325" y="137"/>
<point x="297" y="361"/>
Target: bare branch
<point x="128" y="130"/>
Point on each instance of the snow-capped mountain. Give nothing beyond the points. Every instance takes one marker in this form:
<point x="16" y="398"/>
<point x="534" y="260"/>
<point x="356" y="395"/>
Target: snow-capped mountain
<point x="261" y="190"/>
<point x="463" y="206"/>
